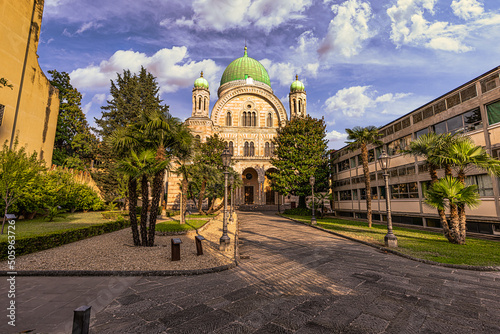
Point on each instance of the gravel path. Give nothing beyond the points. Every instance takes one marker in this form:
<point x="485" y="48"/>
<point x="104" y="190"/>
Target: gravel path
<point x="115" y="251"/>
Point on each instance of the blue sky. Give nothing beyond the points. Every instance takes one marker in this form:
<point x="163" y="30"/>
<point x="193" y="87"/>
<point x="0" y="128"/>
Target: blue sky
<point x="363" y="62"/>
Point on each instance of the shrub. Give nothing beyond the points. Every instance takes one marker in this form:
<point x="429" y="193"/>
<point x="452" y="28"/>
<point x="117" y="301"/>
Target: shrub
<point x="298" y="212"/>
<point x="50" y="240"/>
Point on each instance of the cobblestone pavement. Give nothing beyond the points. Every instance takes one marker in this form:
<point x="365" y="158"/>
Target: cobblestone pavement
<point x="295" y="279"/>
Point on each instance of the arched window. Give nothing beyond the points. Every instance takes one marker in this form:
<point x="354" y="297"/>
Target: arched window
<point x="231" y="148"/>
<point x="269" y="120"/>
<point x="272" y="150"/>
<point x="295" y="105"/>
<point x="198" y="138"/>
<point x="205" y="104"/>
<point x="266" y="150"/>
<point x="252" y="150"/>
<point x="300" y="106"/>
<point x="246" y="149"/>
<point x="254" y="119"/>
<point x="229" y="120"/>
<point x="249" y="119"/>
<point x="199" y="103"/>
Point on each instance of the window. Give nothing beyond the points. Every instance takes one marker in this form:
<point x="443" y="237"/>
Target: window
<point x="417" y="118"/>
<point x="371" y="155"/>
<point x="229" y="120"/>
<point x="360" y="160"/>
<point x="493" y="111"/>
<point x="246" y="149"/>
<point x="421" y="132"/>
<point x="267" y="150"/>
<point x="353" y="162"/>
<point x="254" y="119"/>
<point x="2" y="109"/>
<point x="343" y="165"/>
<point x="404" y="190"/>
<point x="428" y="112"/>
<point x="269" y="120"/>
<point x="468" y="121"/>
<point x="362" y="194"/>
<point x="399" y="144"/>
<point x="378" y="151"/>
<point x="345" y="195"/>
<point x="355" y="194"/>
<point x="231" y="148"/>
<point x="483" y="183"/>
<point x="199" y="103"/>
<point x="382" y="192"/>
<point x="272" y="149"/>
<point x="374" y="193"/>
<point x="252" y="150"/>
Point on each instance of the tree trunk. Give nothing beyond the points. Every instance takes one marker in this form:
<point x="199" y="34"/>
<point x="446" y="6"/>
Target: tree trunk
<point x="155" y="204"/>
<point x="4" y="217"/>
<point x="302" y="202"/>
<point x="462" y="218"/>
<point x="132" y="199"/>
<point x="441" y="212"/>
<point x="201" y="196"/>
<point x="455" y="229"/>
<point x="184" y="186"/>
<point x="144" y="211"/>
<point x="366" y="172"/>
<point x="220" y="206"/>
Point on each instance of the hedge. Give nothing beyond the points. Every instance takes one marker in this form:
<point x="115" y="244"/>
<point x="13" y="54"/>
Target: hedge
<point x="42" y="242"/>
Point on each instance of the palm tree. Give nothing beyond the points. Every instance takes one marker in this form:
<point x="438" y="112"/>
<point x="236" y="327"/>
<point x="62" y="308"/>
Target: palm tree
<point x="465" y="155"/>
<point x="431" y="147"/>
<point x="360" y="139"/>
<point x="450" y="192"/>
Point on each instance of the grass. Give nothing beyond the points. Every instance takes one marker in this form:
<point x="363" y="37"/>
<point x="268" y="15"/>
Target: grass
<point x="175" y="226"/>
<point x="64" y="222"/>
<point x="420" y="244"/>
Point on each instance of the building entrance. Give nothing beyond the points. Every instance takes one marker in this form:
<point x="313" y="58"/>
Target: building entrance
<point x="248" y="194"/>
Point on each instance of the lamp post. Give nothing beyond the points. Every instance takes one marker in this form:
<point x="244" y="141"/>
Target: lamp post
<point x="389" y="239"/>
<point x="226" y="161"/>
<point x="311" y="182"/>
<point x="231" y="182"/>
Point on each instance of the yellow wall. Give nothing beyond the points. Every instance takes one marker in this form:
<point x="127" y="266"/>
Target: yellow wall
<point x="38" y="106"/>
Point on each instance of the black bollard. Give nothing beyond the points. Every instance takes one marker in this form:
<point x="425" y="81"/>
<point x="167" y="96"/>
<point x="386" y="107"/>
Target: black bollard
<point x="81" y="320"/>
<point x="199" y="246"/>
<point x="176" y="249"/>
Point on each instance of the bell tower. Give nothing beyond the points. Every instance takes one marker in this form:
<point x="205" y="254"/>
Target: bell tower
<point x="201" y="97"/>
<point x="298" y="99"/>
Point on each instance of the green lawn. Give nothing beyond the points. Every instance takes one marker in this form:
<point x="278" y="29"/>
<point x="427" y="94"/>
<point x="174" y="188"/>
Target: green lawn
<point x="175" y="226"/>
<point x="420" y="244"/>
<point x="68" y="221"/>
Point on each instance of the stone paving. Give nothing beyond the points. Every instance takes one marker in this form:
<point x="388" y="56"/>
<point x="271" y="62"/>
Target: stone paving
<point x="291" y="279"/>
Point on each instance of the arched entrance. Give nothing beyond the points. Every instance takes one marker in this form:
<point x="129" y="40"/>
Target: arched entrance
<point x="270" y="195"/>
<point x="250" y="186"/>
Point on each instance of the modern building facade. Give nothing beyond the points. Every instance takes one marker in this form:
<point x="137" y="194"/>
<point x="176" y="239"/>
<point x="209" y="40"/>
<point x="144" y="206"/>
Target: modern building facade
<point x="246" y="115"/>
<point x="473" y="109"/>
<point x="29" y="109"/>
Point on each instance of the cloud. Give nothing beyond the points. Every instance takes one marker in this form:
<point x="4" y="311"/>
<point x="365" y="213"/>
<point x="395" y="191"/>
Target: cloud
<point x="354" y="101"/>
<point x="348" y="30"/>
<point x="172" y="68"/>
<point x="220" y="15"/>
<point x="409" y="27"/>
<point x="87" y="26"/>
<point x="99" y="98"/>
<point x="467" y="9"/>
<point x="336" y="138"/>
<point x="86" y="108"/>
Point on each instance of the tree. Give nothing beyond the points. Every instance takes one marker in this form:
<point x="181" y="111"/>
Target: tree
<point x="300" y="152"/>
<point x="360" y="138"/>
<point x="464" y="155"/>
<point x="155" y="136"/>
<point x="432" y="147"/>
<point x="17" y="171"/>
<point x="74" y="144"/>
<point x="450" y="192"/>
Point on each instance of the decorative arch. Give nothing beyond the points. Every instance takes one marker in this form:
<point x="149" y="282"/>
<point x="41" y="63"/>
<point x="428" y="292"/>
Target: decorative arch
<point x="231" y="93"/>
<point x="229" y="119"/>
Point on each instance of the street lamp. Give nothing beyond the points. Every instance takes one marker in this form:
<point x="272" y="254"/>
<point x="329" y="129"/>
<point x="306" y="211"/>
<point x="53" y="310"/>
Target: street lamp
<point x="231" y="182"/>
<point x="389" y="239"/>
<point x="311" y="182"/>
<point x="226" y="161"/>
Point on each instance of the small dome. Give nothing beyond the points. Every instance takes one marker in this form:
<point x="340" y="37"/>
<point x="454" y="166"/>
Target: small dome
<point x="297" y="86"/>
<point x="201" y="82"/>
<point x="244" y="67"/>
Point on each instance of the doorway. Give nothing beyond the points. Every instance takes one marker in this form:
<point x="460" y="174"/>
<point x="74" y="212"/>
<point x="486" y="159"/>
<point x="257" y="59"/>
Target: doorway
<point x="248" y="194"/>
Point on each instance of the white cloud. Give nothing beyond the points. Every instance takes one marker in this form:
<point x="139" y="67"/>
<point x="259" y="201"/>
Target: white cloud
<point x="348" y="30"/>
<point x="99" y="98"/>
<point x="336" y="139"/>
<point x="264" y="14"/>
<point x="172" y="68"/>
<point x="409" y="27"/>
<point x="354" y="101"/>
<point x="86" y="108"/>
<point x="87" y="26"/>
<point x="467" y="9"/>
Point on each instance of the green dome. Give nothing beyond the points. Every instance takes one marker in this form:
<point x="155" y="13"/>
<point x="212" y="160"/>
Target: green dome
<point x="244" y="67"/>
<point x="297" y="86"/>
<point x="201" y="82"/>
